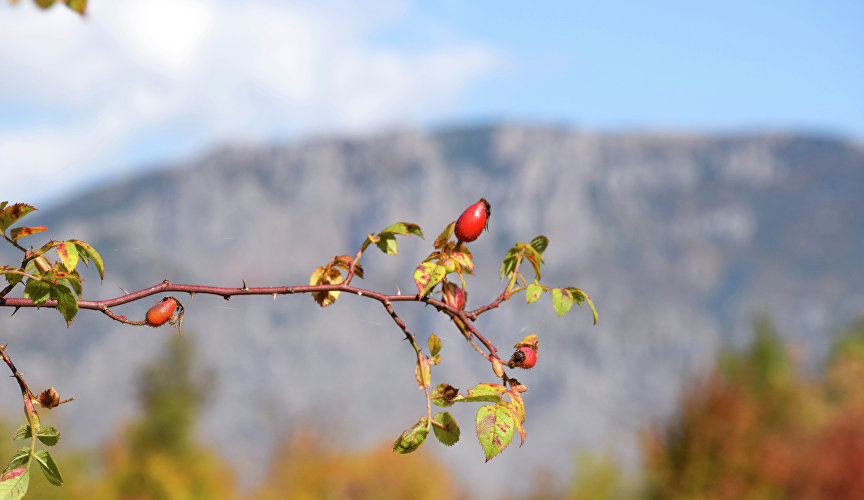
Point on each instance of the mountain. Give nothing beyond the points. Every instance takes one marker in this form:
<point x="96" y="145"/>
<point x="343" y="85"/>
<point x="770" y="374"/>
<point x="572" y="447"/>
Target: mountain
<point x="679" y="239"/>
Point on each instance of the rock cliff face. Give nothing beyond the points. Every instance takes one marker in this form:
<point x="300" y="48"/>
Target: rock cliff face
<point x="680" y="240"/>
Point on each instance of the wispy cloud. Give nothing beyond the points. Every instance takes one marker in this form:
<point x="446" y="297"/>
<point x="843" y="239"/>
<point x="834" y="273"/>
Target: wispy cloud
<point x="140" y="79"/>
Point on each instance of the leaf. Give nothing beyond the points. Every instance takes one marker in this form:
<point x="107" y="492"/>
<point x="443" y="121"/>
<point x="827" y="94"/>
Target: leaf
<point x="427" y="275"/>
<point x="325" y="275"/>
<point x="445" y="235"/>
<point x="37" y="290"/>
<point x="67" y="304"/>
<point x="508" y="265"/>
<point x="449" y="434"/>
<point x="49" y="467"/>
<point x="561" y="301"/>
<point x="483" y="392"/>
<point x="45" y="3"/>
<point x="580" y="298"/>
<point x="464" y="259"/>
<point x="345" y="261"/>
<point x="495" y="425"/>
<point x="404" y="228"/>
<point x="85" y="251"/>
<point x="533" y="292"/>
<point x="435" y="344"/>
<point x="74" y="284"/>
<point x="387" y="244"/>
<point x="68" y="253"/>
<point x="9" y="215"/>
<point x="412" y="438"/>
<point x="23" y="432"/>
<point x="48" y="435"/>
<point x="529" y="341"/>
<point x="539" y="244"/>
<point x="14" y="483"/>
<point x="79" y="6"/>
<point x="20" y="232"/>
<point x="444" y="395"/>
<point x="422" y="368"/>
<point x="19" y="459"/>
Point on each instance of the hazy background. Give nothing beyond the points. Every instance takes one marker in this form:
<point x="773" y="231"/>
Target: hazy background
<point x="692" y="165"/>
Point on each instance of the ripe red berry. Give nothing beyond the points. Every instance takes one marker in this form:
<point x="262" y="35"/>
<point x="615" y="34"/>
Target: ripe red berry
<point x="525" y="357"/>
<point x="162" y="312"/>
<point x="473" y="221"/>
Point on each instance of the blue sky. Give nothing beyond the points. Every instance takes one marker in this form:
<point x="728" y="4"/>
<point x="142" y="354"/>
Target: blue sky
<point x="138" y="82"/>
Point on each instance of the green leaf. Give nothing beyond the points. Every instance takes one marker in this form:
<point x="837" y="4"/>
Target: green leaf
<point x="14" y="483"/>
<point x="508" y="265"/>
<point x="422" y="372"/>
<point x="427" y="275"/>
<point x="593" y="309"/>
<point x="45" y="3"/>
<point x="561" y="301"/>
<point x="533" y="292"/>
<point x="75" y="285"/>
<point x="495" y="424"/>
<point x="580" y="298"/>
<point x="48" y="435"/>
<point x="37" y="290"/>
<point x="13" y="278"/>
<point x="19" y="459"/>
<point x="78" y="6"/>
<point x="86" y="251"/>
<point x="449" y="434"/>
<point x="435" y="344"/>
<point x="67" y="304"/>
<point x="9" y="215"/>
<point x="412" y="438"/>
<point x="483" y="392"/>
<point x="387" y="244"/>
<point x="68" y="253"/>
<point x="539" y="244"/>
<point x="20" y="232"/>
<point x="444" y="395"/>
<point x="23" y="432"/>
<point x="445" y="235"/>
<point x="404" y="228"/>
<point x="49" y="467"/>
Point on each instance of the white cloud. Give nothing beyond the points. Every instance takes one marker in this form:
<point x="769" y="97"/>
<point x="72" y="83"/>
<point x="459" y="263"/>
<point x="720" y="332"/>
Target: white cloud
<point x="80" y="95"/>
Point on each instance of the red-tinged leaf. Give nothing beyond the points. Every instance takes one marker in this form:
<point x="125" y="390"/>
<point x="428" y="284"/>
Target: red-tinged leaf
<point x="345" y="261"/>
<point x="445" y="235"/>
<point x="19" y="232"/>
<point x="14" y="483"/>
<point x="427" y="275"/>
<point x="85" y="251"/>
<point x="520" y="428"/>
<point x="447" y="430"/>
<point x="483" y="392"/>
<point x="533" y="292"/>
<point x="535" y="263"/>
<point x="422" y="372"/>
<point x="68" y="253"/>
<point x="404" y="228"/>
<point x="23" y="432"/>
<point x="464" y="259"/>
<point x="412" y="438"/>
<point x="444" y="395"/>
<point x="495" y="425"/>
<point x="325" y="275"/>
<point x="561" y="301"/>
<point x="435" y="344"/>
<point x="12" y="213"/>
<point x="517" y="404"/>
<point x="19" y="459"/>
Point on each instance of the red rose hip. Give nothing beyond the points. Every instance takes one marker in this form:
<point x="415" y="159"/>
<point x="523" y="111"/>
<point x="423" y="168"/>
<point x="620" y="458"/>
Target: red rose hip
<point x="525" y="357"/>
<point x="473" y="221"/>
<point x="161" y="312"/>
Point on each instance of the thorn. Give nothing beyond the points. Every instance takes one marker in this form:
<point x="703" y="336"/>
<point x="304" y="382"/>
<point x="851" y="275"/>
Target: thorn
<point x="191" y="296"/>
<point x="274" y="298"/>
<point x="15" y="311"/>
<point x="123" y="290"/>
<point x="244" y="286"/>
<point x="227" y="297"/>
<point x="360" y="294"/>
<point x="398" y="291"/>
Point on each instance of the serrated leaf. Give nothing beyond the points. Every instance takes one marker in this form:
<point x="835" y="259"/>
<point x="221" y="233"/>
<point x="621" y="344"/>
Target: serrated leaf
<point x="325" y="275"/>
<point x="75" y="284"/>
<point x="67" y="304"/>
<point x="422" y="372"/>
<point x="20" y="232"/>
<point x="14" y="483"/>
<point x="495" y="425"/>
<point x="539" y="244"/>
<point x="412" y="438"/>
<point x="449" y="434"/>
<point x="37" y="290"/>
<point x="387" y="244"/>
<point x="427" y="275"/>
<point x="404" y="228"/>
<point x="13" y="278"/>
<point x="9" y="215"/>
<point x="445" y="235"/>
<point x="483" y="392"/>
<point x="533" y="292"/>
<point x="464" y="260"/>
<point x="23" y="432"/>
<point x="68" y="253"/>
<point x="435" y="344"/>
<point x="561" y="301"/>
<point x="48" y="435"/>
<point x="508" y="265"/>
<point x="19" y="459"/>
<point x="87" y="253"/>
<point x="517" y="404"/>
<point x="49" y="467"/>
<point x="345" y="261"/>
<point x="444" y="394"/>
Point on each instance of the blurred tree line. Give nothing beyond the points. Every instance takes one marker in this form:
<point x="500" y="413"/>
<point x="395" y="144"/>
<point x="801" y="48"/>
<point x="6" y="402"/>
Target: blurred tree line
<point x="755" y="427"/>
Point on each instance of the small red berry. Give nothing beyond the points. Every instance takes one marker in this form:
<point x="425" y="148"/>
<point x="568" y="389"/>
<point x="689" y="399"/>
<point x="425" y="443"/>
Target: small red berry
<point x="162" y="312"/>
<point x="473" y="221"/>
<point x="525" y="357"/>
